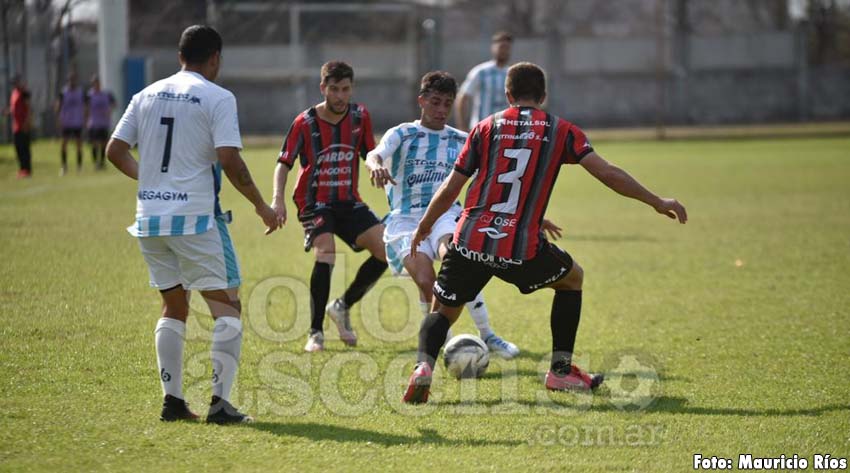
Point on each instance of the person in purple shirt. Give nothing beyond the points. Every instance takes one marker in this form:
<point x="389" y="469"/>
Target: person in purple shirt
<point x="99" y="105"/>
<point x="70" y="110"/>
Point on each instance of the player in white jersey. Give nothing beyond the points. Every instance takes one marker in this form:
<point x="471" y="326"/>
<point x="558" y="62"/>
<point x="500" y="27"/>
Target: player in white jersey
<point x="483" y="92"/>
<point x="187" y="132"/>
<point x="411" y="162"/>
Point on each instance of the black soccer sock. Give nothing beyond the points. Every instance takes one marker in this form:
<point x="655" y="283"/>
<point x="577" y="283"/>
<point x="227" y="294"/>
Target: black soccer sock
<point x="64" y="158"/>
<point x="566" y="312"/>
<point x="79" y="158"/>
<point x="367" y="276"/>
<point x="94" y="155"/>
<point x="320" y="287"/>
<point x="432" y="336"/>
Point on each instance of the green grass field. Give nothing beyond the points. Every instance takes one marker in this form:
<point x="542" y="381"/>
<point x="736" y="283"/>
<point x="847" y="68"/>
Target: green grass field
<point x="728" y="335"/>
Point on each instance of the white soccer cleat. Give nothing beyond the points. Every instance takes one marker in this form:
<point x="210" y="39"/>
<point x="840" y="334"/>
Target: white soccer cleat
<point x="501" y="347"/>
<point x="339" y="313"/>
<point x="315" y="342"/>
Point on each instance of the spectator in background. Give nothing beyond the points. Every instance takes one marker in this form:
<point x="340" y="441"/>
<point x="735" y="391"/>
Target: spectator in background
<point x="99" y="105"/>
<point x="483" y="92"/>
<point x="21" y="126"/>
<point x="70" y="109"/>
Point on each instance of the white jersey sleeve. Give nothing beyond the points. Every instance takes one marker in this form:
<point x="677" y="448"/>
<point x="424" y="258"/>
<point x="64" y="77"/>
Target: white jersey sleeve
<point x="472" y="84"/>
<point x="127" y="129"/>
<point x="388" y="145"/>
<point x="225" y="123"/>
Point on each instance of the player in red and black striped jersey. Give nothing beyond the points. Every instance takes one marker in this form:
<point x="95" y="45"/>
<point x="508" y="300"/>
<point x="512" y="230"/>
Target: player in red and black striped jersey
<point x="516" y="154"/>
<point x="328" y="140"/>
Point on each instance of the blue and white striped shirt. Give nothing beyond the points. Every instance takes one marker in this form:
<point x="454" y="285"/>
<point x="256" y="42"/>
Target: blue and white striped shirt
<point x="485" y="83"/>
<point x="419" y="160"/>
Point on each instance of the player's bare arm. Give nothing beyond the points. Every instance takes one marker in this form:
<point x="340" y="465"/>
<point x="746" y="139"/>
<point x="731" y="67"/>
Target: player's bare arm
<point x="238" y="174"/>
<point x="624" y="184"/>
<point x="118" y="153"/>
<point x="379" y="175"/>
<point x="281" y="172"/>
<point x="440" y="204"/>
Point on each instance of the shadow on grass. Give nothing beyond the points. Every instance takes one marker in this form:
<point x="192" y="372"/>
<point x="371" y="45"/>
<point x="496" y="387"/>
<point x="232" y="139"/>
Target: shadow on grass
<point x="319" y="432"/>
<point x="662" y="405"/>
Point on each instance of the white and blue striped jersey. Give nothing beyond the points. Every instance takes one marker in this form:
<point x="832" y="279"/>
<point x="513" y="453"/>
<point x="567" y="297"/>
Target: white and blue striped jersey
<point x="485" y="83"/>
<point x="419" y="160"/>
<point x="178" y="122"/>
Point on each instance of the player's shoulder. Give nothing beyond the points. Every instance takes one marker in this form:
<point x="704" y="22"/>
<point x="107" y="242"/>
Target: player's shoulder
<point x="484" y="66"/>
<point x="454" y="134"/>
<point x="358" y="109"/>
<point x="406" y="131"/>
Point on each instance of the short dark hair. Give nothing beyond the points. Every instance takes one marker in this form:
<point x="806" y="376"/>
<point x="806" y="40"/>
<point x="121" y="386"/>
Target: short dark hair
<point x="526" y="81"/>
<point x="502" y="36"/>
<point x="198" y="43"/>
<point x="336" y="70"/>
<point x="438" y="81"/>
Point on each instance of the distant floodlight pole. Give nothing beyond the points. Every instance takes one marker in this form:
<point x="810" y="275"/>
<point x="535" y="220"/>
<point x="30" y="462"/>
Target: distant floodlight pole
<point x="112" y="47"/>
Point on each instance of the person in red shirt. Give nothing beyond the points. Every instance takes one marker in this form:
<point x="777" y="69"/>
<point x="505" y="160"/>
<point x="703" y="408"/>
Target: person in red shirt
<point x="327" y="141"/>
<point x="517" y="154"/>
<point x="21" y="126"/>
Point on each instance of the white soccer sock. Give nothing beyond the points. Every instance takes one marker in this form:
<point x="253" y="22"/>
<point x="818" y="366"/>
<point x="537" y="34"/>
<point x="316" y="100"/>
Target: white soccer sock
<point x="169" y="336"/>
<point x="478" y="311"/>
<point x="226" y="348"/>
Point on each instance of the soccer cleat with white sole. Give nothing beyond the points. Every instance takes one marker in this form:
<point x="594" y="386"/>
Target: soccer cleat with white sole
<point x="338" y="312"/>
<point x="419" y="384"/>
<point x="576" y="380"/>
<point x="222" y="412"/>
<point x="315" y="342"/>
<point x="501" y="347"/>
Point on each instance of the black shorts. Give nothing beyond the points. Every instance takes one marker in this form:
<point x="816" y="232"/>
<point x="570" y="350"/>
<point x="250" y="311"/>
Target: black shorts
<point x="72" y="133"/>
<point x="98" y="134"/>
<point x="464" y="273"/>
<point x="345" y="220"/>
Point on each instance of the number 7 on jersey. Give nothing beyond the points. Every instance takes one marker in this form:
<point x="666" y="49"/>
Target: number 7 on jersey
<point x="166" y="154"/>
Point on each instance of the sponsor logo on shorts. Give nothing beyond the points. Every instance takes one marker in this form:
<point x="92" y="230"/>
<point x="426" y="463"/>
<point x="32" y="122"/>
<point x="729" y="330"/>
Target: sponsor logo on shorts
<point x="489" y="260"/>
<point x="550" y="280"/>
<point x="449" y="296"/>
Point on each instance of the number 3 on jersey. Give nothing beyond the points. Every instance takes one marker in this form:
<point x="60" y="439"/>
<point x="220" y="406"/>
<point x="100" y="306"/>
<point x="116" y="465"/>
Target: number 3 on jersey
<point x="512" y="178"/>
<point x="166" y="154"/>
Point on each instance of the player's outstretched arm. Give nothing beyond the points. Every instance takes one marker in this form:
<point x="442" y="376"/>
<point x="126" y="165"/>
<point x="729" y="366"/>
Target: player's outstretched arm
<point x="118" y="153"/>
<point x="238" y="174"/>
<point x="440" y="204"/>
<point x="281" y="172"/>
<point x="379" y="175"/>
<point x="624" y="184"/>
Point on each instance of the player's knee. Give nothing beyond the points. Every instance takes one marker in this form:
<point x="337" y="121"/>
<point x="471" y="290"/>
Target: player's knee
<point x="575" y="278"/>
<point x="425" y="283"/>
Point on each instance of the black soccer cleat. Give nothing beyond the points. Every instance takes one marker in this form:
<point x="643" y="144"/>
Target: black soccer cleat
<point x="174" y="408"/>
<point x="222" y="412"/>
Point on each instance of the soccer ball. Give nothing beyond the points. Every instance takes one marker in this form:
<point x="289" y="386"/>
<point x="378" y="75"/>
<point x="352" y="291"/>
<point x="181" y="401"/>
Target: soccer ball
<point x="466" y="356"/>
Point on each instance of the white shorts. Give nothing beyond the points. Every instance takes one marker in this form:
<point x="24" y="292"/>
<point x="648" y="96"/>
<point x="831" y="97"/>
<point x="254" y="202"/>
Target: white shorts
<point x="398" y="232"/>
<point x="204" y="261"/>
